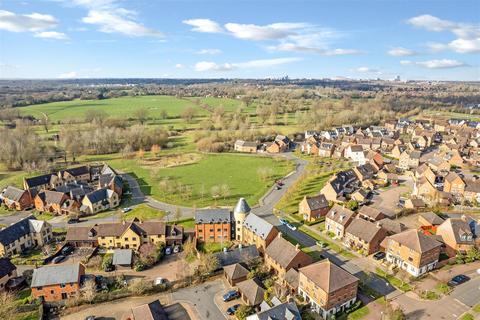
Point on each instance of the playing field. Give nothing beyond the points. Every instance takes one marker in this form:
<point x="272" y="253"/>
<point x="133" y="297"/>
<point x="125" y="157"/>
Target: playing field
<point x="239" y="173"/>
<point x="124" y="107"/>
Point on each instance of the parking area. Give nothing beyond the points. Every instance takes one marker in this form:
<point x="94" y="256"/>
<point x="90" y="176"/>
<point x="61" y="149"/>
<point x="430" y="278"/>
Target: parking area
<point x="202" y="298"/>
<point x="77" y="255"/>
<point x="224" y="306"/>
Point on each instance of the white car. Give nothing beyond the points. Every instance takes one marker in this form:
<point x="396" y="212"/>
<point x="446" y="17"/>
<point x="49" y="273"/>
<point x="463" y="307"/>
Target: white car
<point x="160" y="280"/>
<point x="291" y="226"/>
<point x="176" y="249"/>
<point x="168" y="251"/>
<point x="127" y="209"/>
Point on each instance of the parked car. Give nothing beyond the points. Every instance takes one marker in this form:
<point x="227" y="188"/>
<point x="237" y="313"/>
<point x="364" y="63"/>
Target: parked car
<point x="73" y="220"/>
<point x="168" y="250"/>
<point x="160" y="280"/>
<point x="457" y="280"/>
<point x="291" y="226"/>
<point x="67" y="250"/>
<point x="278" y="188"/>
<point x="90" y="318"/>
<point x="379" y="255"/>
<point x="58" y="259"/>
<point x="231" y="295"/>
<point x="283" y="221"/>
<point x="231" y="311"/>
<point x="127" y="209"/>
<point x="108" y="268"/>
<point x="321" y="244"/>
<point x="176" y="249"/>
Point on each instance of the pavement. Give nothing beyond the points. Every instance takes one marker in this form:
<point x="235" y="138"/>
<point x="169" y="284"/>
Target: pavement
<point x="202" y="298"/>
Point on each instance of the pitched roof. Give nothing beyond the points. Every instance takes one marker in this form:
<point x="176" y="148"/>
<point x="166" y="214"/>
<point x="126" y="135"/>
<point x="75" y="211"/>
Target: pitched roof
<point x="6" y="267"/>
<point x="122" y="257"/>
<point x="473" y="186"/>
<point x="363" y="229"/>
<point x="56" y="274"/>
<point x="415" y="240"/>
<point x="317" y="202"/>
<point x="370" y="212"/>
<point x="452" y="176"/>
<point x="213" y="216"/>
<point x="328" y="276"/>
<point x="457" y="227"/>
<point x="284" y="311"/>
<point x="77" y="171"/>
<point x="257" y="225"/>
<point x="242" y="206"/>
<point x="291" y="277"/>
<point x="38" y="180"/>
<point x="340" y="214"/>
<point x="149" y="311"/>
<point x="51" y="197"/>
<point x="392" y="226"/>
<point x="82" y="233"/>
<point x="236" y="271"/>
<point x="432" y="218"/>
<point x="14" y="231"/>
<point x="253" y="290"/>
<point x="283" y="252"/>
<point x="238" y="255"/>
<point x="99" y="195"/>
<point x="13" y="193"/>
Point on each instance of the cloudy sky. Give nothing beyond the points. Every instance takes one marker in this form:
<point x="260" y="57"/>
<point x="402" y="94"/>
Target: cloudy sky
<point x="423" y="39"/>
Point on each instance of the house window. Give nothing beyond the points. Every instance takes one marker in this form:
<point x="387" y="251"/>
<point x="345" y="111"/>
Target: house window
<point x="64" y="295"/>
<point x="126" y="238"/>
<point x="134" y="239"/>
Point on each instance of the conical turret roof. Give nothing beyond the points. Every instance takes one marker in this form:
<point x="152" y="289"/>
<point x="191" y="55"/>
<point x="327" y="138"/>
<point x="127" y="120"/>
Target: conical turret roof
<point x="242" y="206"/>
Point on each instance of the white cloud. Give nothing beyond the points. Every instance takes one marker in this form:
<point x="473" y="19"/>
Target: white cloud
<point x="179" y="66"/>
<point x="203" y="66"/>
<point x="468" y="35"/>
<point x="290" y="37"/>
<point x="121" y="21"/>
<point x="69" y="75"/>
<point x="367" y="70"/>
<point x="204" y="25"/>
<point x="209" y="51"/>
<point x="51" y="35"/>
<point x="26" y="22"/>
<point x="262" y="63"/>
<point x="269" y="32"/>
<point x="436" y="63"/>
<point x="401" y="52"/>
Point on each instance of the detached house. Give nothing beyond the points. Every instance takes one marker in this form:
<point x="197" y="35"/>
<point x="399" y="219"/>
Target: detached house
<point x="413" y="252"/>
<point x="17" y="199"/>
<point x="281" y="256"/>
<point x="50" y="201"/>
<point x="328" y="288"/>
<point x="339" y="185"/>
<point x="24" y="234"/>
<point x="454" y="184"/>
<point x="57" y="282"/>
<point x="457" y="234"/>
<point x="245" y="146"/>
<point x="356" y="153"/>
<point x="99" y="200"/>
<point x="364" y="235"/>
<point x="312" y="208"/>
<point x="338" y="219"/>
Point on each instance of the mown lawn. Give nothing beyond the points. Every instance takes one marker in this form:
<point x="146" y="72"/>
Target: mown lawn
<point x="123" y="107"/>
<point x="331" y="245"/>
<point x="186" y="223"/>
<point x="359" y="313"/>
<point x="212" y="247"/>
<point x="144" y="212"/>
<point x="239" y="173"/>
<point x="318" y="172"/>
<point x="394" y="281"/>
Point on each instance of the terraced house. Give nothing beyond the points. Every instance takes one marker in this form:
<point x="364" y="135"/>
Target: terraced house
<point x="258" y="232"/>
<point x="413" y="252"/>
<point x="328" y="288"/>
<point x="17" y="199"/>
<point x="99" y="200"/>
<point x="24" y="234"/>
<point x="125" y="235"/>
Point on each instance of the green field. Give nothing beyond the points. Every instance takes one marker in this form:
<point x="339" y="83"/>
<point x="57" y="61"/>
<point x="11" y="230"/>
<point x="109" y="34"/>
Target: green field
<point x="239" y="172"/>
<point x="123" y="107"/>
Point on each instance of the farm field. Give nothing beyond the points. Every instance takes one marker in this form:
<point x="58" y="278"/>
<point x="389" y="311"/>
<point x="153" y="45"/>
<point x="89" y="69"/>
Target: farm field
<point x="123" y="107"/>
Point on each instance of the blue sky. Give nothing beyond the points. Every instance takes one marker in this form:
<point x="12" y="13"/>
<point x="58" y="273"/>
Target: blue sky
<point x="438" y="40"/>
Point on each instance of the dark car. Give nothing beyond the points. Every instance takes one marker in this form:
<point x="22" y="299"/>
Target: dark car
<point x="58" y="259"/>
<point x="231" y="295"/>
<point x="109" y="268"/>
<point x="231" y="311"/>
<point x="67" y="250"/>
<point x="73" y="220"/>
<point x="458" y="280"/>
<point x="379" y="255"/>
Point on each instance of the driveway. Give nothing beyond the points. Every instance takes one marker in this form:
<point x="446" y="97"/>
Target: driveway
<point x="387" y="200"/>
<point x="202" y="297"/>
<point x="468" y="293"/>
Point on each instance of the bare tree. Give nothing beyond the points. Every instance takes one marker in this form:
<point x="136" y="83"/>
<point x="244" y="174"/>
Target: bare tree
<point x="141" y="114"/>
<point x="225" y="190"/>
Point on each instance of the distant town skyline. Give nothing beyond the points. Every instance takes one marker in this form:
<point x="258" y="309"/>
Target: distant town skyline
<point x="421" y="40"/>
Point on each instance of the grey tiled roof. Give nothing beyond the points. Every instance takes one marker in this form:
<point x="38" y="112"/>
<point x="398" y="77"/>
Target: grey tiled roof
<point x="57" y="274"/>
<point x="257" y="225"/>
<point x="12" y="193"/>
<point x="238" y="255"/>
<point x="122" y="257"/>
<point x="284" y="311"/>
<point x="242" y="206"/>
<point x="213" y="216"/>
<point x="15" y="231"/>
